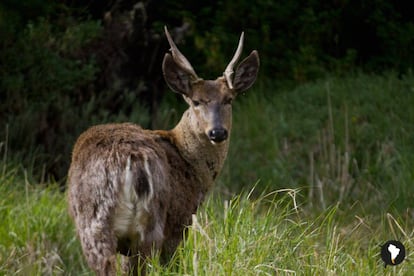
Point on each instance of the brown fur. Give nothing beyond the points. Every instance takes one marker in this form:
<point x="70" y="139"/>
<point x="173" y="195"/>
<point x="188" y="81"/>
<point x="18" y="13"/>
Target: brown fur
<point x="133" y="191"/>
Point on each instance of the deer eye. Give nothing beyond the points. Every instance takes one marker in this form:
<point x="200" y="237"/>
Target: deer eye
<point x="196" y="103"/>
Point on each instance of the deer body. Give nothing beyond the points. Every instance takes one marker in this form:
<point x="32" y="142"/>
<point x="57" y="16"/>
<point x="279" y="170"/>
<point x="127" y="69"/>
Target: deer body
<point x="132" y="190"/>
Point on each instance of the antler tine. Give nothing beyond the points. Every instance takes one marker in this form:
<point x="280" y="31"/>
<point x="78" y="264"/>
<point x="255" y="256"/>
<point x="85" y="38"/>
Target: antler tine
<point x="178" y="56"/>
<point x="229" y="69"/>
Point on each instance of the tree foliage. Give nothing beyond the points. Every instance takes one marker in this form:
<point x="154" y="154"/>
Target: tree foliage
<point x="65" y="65"/>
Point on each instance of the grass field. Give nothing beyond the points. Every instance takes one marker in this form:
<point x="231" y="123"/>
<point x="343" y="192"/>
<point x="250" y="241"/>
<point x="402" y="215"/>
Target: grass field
<point x="318" y="177"/>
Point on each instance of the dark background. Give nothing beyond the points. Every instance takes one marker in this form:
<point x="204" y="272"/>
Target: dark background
<point x="65" y="65"/>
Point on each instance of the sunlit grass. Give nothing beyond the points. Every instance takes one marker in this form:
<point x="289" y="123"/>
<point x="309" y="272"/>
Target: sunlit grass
<point x="266" y="235"/>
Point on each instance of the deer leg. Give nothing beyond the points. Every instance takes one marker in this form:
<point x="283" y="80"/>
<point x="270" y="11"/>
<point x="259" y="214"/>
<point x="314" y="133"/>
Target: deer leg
<point x="99" y="248"/>
<point x="134" y="265"/>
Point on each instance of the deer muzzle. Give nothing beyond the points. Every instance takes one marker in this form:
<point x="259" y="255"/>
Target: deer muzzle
<point x="218" y="135"/>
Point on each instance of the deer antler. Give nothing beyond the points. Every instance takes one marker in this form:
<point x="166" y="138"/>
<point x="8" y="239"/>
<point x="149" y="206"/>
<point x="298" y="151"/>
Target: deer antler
<point x="229" y="69"/>
<point x="178" y="57"/>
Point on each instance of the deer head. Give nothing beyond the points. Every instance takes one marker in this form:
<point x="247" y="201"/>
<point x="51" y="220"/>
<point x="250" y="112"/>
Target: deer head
<point x="209" y="100"/>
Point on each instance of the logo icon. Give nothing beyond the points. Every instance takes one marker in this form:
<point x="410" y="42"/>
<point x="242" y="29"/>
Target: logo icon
<point x="392" y="253"/>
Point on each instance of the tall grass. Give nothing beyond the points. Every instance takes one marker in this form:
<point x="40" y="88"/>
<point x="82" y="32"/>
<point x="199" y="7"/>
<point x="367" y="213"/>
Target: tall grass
<point x="340" y="139"/>
<point x="36" y="237"/>
<point x="267" y="235"/>
<point x="317" y="179"/>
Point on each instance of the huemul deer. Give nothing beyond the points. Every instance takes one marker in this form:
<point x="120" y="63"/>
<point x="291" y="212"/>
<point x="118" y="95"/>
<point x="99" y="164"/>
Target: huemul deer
<point x="133" y="191"/>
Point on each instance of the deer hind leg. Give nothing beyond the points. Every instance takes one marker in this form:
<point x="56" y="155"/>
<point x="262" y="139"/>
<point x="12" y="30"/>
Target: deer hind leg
<point x="98" y="239"/>
<point x="136" y="252"/>
<point x="99" y="248"/>
<point x="134" y="265"/>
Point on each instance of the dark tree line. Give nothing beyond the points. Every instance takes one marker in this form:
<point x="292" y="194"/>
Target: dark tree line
<point x="65" y="65"/>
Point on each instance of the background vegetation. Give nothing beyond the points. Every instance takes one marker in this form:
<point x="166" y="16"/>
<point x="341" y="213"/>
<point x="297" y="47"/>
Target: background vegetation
<point x="323" y="172"/>
<point x="69" y="64"/>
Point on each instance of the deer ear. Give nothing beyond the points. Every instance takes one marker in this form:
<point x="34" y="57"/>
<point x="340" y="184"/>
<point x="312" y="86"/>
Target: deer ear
<point x="177" y="78"/>
<point x="246" y="72"/>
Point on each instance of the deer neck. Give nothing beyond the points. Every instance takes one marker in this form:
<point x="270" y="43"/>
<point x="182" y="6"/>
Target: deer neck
<point x="206" y="158"/>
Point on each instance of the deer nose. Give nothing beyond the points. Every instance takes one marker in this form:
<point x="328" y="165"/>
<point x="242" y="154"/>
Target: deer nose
<point x="218" y="134"/>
